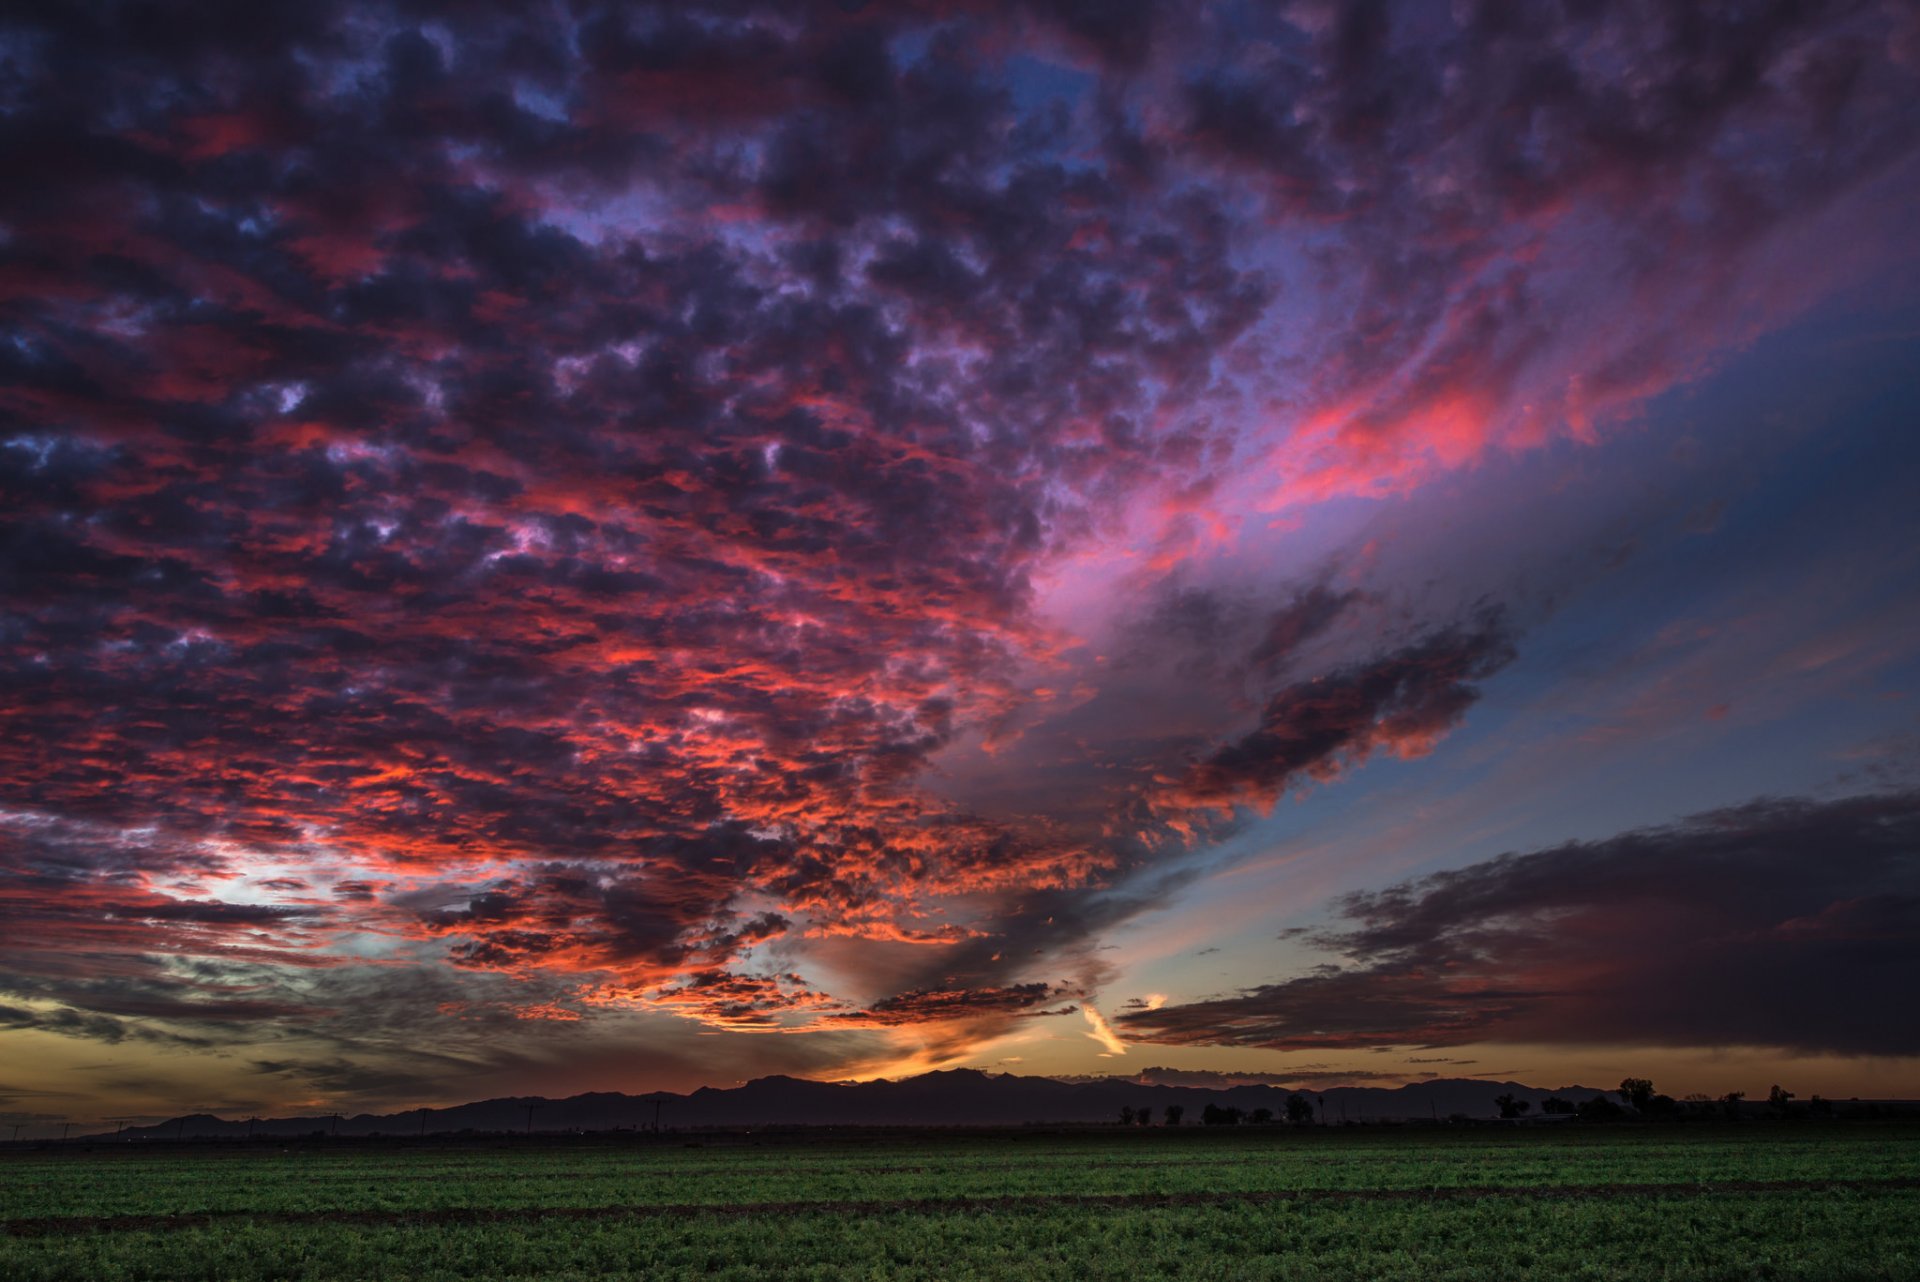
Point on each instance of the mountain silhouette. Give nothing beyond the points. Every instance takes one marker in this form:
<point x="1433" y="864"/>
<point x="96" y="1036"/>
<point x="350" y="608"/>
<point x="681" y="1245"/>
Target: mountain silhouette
<point x="955" y="1097"/>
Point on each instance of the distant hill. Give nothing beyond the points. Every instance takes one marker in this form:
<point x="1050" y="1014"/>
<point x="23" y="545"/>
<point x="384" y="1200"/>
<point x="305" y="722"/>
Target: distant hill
<point x="960" y="1097"/>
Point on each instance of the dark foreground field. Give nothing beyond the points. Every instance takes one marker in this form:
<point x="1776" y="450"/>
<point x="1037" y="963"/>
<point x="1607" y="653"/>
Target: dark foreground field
<point x="1756" y="1201"/>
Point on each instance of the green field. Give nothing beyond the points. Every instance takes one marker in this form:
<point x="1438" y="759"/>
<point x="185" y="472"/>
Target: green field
<point x="1755" y="1201"/>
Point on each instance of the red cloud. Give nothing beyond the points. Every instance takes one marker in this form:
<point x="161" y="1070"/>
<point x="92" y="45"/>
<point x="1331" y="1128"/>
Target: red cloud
<point x="411" y="489"/>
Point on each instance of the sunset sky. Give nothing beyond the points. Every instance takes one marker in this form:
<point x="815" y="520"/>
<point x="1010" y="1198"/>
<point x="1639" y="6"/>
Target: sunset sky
<point x="564" y="548"/>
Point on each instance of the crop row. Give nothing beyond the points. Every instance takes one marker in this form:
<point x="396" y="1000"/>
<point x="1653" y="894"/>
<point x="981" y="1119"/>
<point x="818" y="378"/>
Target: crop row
<point x="1833" y="1236"/>
<point x="340" y="1179"/>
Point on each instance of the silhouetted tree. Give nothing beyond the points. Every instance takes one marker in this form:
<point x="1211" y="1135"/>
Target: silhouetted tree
<point x="1126" y="1115"/>
<point x="1818" y="1107"/>
<point x="1598" y="1109"/>
<point x="1260" y="1116"/>
<point x="1636" y="1091"/>
<point x="1174" y="1113"/>
<point x="1214" y="1115"/>
<point x="1299" y="1109"/>
<point x="1144" y="1116"/>
<point x="1730" y="1102"/>
<point x="1511" y="1105"/>
<point x="1558" y="1107"/>
<point x="1778" y="1098"/>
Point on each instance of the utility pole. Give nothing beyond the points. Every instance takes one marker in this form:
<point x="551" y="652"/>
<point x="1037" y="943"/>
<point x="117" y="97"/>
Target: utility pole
<point x="530" y="1109"/>
<point x="16" y="1131"/>
<point x="657" y="1102"/>
<point x="65" y="1127"/>
<point x="336" y="1124"/>
<point x="423" y="1123"/>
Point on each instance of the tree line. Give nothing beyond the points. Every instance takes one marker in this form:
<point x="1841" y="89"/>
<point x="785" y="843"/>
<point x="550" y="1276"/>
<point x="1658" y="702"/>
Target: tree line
<point x="1637" y="1095"/>
<point x="1299" y="1109"/>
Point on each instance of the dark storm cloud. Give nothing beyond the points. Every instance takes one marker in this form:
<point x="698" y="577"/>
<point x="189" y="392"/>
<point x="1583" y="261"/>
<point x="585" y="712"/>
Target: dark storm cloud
<point x="547" y="485"/>
<point x="1781" y="923"/>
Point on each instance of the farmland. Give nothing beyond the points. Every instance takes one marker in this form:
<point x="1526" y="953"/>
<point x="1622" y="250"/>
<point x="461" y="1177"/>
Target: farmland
<point x="1817" y="1202"/>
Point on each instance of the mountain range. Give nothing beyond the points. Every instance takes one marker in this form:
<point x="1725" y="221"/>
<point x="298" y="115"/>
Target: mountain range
<point x="958" y="1097"/>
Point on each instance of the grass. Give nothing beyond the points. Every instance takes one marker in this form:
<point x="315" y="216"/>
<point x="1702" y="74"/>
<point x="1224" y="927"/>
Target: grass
<point x="1625" y="1202"/>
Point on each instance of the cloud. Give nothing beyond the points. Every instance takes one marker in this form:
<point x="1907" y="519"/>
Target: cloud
<point x="1400" y="703"/>
<point x="545" y="500"/>
<point x="1781" y="923"/>
<point x="92" y="1026"/>
<point x="937" y="1006"/>
<point x="1101" y="1031"/>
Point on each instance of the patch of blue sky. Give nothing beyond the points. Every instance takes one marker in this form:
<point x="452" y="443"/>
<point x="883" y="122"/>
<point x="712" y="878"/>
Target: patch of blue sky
<point x="1744" y="585"/>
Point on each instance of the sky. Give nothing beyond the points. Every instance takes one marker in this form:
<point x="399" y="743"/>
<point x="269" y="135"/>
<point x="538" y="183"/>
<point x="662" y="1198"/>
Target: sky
<point x="563" y="547"/>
